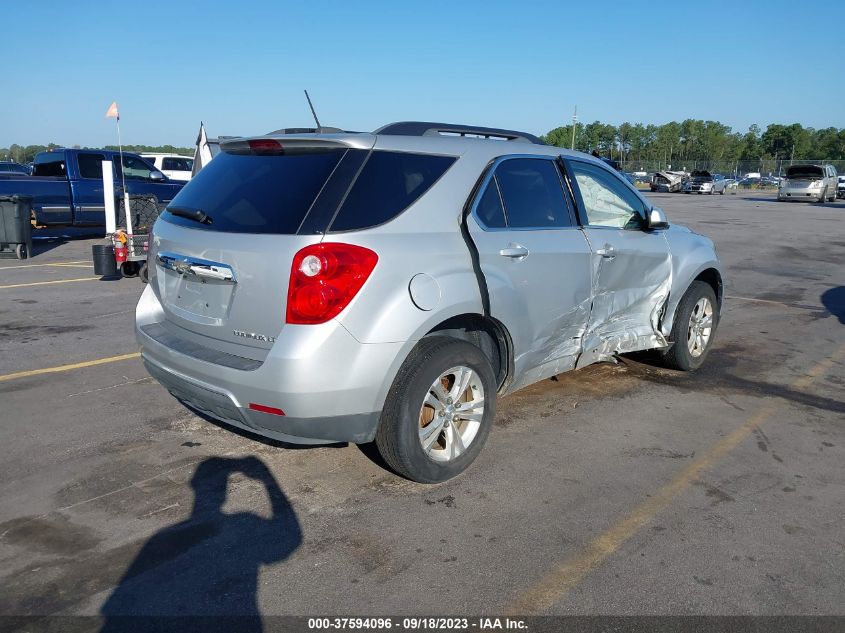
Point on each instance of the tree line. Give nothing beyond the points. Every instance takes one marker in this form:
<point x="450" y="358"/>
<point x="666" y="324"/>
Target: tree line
<point x="26" y="154"/>
<point x="697" y="140"/>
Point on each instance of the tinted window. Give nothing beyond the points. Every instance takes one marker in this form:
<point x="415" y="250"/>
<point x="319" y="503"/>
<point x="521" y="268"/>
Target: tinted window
<point x="90" y="165"/>
<point x="50" y="166"/>
<point x="255" y="194"/>
<point x="175" y="164"/>
<point x="606" y="201"/>
<point x="388" y="184"/>
<point x="532" y="193"/>
<point x="489" y="209"/>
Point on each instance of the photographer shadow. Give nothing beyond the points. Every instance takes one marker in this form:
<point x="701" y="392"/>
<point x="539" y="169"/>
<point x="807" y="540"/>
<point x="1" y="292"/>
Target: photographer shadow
<point x="206" y="567"/>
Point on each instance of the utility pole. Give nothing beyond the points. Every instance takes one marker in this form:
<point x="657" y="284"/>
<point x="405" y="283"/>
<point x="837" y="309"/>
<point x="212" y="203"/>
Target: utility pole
<point x="574" y="123"/>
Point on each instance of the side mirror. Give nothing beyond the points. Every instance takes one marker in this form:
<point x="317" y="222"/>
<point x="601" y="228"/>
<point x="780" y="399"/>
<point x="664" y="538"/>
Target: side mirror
<point x="156" y="175"/>
<point x="657" y="219"/>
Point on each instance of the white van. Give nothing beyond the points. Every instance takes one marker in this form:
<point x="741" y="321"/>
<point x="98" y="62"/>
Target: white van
<point x="173" y="166"/>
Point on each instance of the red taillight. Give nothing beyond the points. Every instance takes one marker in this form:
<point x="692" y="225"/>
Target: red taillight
<point x="324" y="278"/>
<point x="266" y="146"/>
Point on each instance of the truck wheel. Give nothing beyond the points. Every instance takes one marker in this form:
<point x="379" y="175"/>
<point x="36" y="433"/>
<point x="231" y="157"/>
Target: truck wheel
<point x="144" y="273"/>
<point x="20" y="251"/>
<point x="439" y="410"/>
<point x="129" y="269"/>
<point x="695" y="324"/>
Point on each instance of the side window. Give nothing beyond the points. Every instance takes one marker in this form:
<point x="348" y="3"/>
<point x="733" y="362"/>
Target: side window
<point x="489" y="209"/>
<point x="90" y="165"/>
<point x="532" y="194"/>
<point x="133" y="167"/>
<point x="175" y="164"/>
<point x="605" y="200"/>
<point x="388" y="184"/>
<point x="52" y="167"/>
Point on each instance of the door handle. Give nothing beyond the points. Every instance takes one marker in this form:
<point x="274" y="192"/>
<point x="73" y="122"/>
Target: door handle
<point x="608" y="252"/>
<point x="515" y="251"/>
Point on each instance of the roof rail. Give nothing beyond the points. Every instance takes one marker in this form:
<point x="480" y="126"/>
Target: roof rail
<point x="426" y="128"/>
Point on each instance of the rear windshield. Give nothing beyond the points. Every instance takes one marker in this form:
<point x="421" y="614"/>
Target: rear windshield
<point x="804" y="171"/>
<point x="254" y="194"/>
<point x="301" y="193"/>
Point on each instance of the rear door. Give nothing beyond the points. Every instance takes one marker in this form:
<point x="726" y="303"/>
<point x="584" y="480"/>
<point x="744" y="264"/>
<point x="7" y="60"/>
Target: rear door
<point x="535" y="262"/>
<point x="223" y="281"/>
<point x="88" y="202"/>
<point x="631" y="266"/>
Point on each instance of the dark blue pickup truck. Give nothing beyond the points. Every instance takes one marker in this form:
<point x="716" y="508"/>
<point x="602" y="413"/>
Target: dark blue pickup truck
<point x="67" y="184"/>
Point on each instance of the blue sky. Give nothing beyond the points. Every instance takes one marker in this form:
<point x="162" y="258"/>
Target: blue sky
<point x="241" y="66"/>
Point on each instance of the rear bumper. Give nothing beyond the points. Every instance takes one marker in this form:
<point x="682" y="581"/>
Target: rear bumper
<point x="330" y="387"/>
<point x="357" y="428"/>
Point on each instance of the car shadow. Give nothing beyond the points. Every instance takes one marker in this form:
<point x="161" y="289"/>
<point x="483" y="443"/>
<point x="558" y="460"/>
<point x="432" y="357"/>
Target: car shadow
<point x="208" y="564"/>
<point x="46" y="239"/>
<point x="834" y="302"/>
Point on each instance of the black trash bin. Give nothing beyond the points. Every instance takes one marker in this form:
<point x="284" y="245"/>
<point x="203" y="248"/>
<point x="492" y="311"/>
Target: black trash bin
<point x="15" y="226"/>
<point x="103" y="256"/>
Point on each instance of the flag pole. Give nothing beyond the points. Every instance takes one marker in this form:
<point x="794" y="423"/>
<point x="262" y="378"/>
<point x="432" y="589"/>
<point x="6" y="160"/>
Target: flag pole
<point x="126" y="210"/>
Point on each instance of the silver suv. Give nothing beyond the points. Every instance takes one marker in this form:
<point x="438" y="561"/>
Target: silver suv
<point x="390" y="286"/>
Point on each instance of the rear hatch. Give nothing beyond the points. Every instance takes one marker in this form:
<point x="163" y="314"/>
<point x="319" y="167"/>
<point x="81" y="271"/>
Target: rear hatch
<point x="224" y="246"/>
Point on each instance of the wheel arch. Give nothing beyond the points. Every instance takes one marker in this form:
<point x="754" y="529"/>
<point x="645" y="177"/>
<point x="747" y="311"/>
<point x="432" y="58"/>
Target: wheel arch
<point x="709" y="274"/>
<point x="486" y="333"/>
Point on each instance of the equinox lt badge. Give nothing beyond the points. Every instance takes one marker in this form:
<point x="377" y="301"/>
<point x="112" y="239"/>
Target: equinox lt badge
<point x="254" y="336"/>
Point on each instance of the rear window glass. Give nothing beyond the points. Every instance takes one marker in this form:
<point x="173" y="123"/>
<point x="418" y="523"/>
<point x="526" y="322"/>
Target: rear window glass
<point x="90" y="165"/>
<point x="255" y="194"/>
<point x="387" y="185"/>
<point x="532" y="193"/>
<point x="50" y="166"/>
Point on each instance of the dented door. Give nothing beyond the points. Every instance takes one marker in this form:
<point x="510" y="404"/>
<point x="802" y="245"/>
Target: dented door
<point x="536" y="265"/>
<point x="631" y="265"/>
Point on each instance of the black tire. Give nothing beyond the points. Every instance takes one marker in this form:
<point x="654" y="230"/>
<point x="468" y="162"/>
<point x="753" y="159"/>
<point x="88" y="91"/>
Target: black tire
<point x="20" y="251"/>
<point x="397" y="437"/>
<point x="678" y="356"/>
<point x="144" y="273"/>
<point x="129" y="269"/>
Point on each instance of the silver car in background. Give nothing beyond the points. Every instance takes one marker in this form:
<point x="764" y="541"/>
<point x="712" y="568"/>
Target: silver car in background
<point x="809" y="183"/>
<point x="705" y="182"/>
<point x="391" y="286"/>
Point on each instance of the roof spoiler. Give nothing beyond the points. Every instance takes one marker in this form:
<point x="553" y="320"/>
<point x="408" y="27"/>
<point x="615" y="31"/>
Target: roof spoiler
<point x="426" y="128"/>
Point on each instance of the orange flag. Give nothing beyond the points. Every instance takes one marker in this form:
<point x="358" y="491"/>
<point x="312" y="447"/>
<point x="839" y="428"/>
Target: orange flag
<point x="112" y="111"/>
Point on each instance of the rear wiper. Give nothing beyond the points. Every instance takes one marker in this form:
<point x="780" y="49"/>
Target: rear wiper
<point x="197" y="215"/>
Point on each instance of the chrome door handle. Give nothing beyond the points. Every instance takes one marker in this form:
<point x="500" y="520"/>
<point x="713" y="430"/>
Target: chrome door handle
<point x="515" y="251"/>
<point x="608" y="252"/>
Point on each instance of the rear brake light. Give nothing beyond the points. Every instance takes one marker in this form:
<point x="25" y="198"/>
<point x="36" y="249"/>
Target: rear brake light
<point x="324" y="278"/>
<point x="266" y="146"/>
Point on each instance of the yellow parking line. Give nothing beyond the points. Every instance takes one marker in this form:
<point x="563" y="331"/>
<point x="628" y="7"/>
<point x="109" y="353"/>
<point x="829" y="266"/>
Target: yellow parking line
<point x="552" y="587"/>
<point x="53" y="370"/>
<point x="47" y="283"/>
<point x="39" y="265"/>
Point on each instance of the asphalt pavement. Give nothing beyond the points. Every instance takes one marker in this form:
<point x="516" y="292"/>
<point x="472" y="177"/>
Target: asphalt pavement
<point x="618" y="489"/>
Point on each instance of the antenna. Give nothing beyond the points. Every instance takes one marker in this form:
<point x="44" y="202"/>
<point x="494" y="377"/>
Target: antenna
<point x="311" y="105"/>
